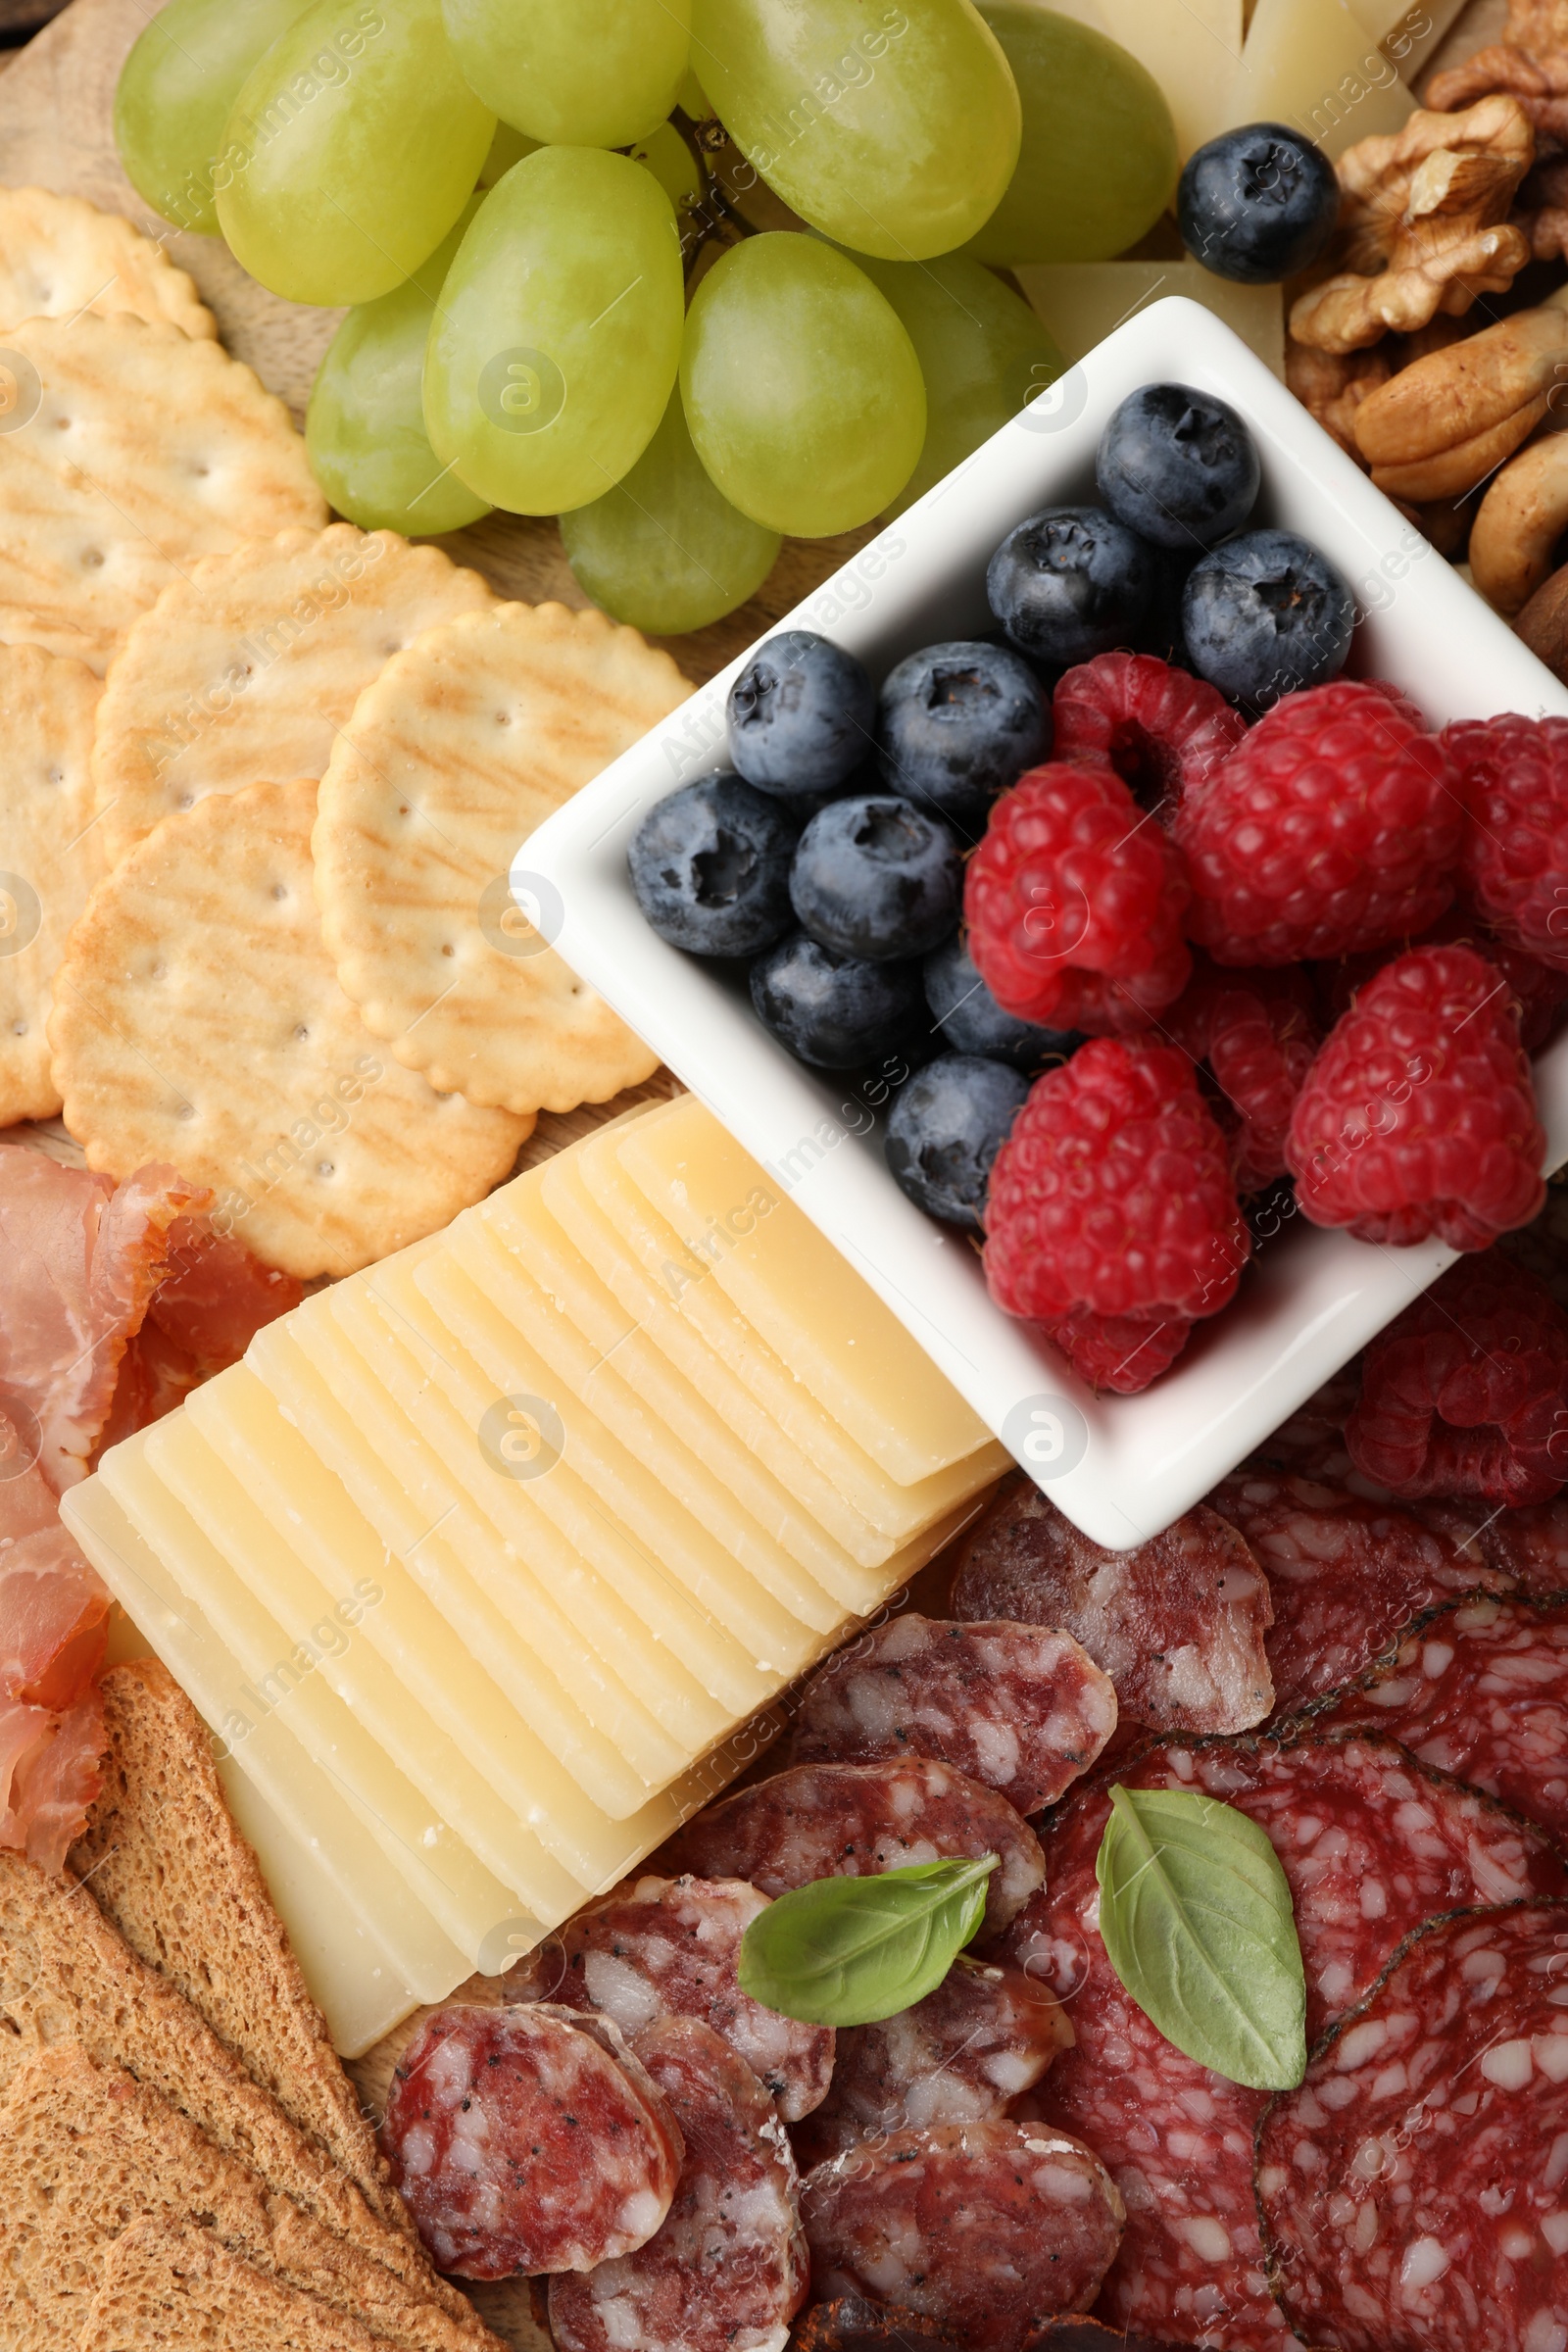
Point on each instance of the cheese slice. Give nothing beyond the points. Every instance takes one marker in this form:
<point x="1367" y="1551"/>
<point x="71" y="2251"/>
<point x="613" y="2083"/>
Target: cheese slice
<point x="1192" y="48"/>
<point x="798" y="1293"/>
<point x="1408" y="35"/>
<point x="672" y="1287"/>
<point x="1083" y="302"/>
<point x="373" y="1903"/>
<point x="1310" y="64"/>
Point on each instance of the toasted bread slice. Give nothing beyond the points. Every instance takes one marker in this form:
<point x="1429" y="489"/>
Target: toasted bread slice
<point x="65" y="1975"/>
<point x="86" y="2152"/>
<point x="164" y="1863"/>
<point x="166" y="2286"/>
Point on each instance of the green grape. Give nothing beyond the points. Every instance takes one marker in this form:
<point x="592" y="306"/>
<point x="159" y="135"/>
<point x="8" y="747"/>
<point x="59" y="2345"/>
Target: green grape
<point x="174" y="93"/>
<point x="558" y="338"/>
<point x="665" y="549"/>
<point x="803" y="391"/>
<point x="983" y="354"/>
<point x="365" y="428"/>
<point x="598" y="74"/>
<point x="892" y="130"/>
<point x="1099" y="161"/>
<point x="673" y="164"/>
<point x="507" y="148"/>
<point x="352" y="148"/>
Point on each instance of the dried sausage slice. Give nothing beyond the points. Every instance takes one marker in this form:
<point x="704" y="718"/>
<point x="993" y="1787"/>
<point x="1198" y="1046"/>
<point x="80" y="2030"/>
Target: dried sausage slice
<point x="851" y="1821"/>
<point x="528" y="2139"/>
<point x="728" y="2270"/>
<point x="1021" y="1707"/>
<point x="1528" y="1548"/>
<point x="1412" y="2189"/>
<point x="852" y="2325"/>
<point x="669" y="1948"/>
<point x="986" y="2036"/>
<point x="1178" y="1624"/>
<point x="987" y="2228"/>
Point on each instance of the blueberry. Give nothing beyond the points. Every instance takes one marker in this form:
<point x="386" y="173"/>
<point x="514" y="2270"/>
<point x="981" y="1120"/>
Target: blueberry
<point x="1178" y="466"/>
<point x="1162" y="632"/>
<point x="1264" y="615"/>
<point x="972" y="1021"/>
<point x="710" y="867"/>
<point x="1257" y="203"/>
<point x="836" y="1011"/>
<point x="1070" y="583"/>
<point x="945" y="1130"/>
<point x="877" y="877"/>
<point x="800" y="715"/>
<point x="958" y="723"/>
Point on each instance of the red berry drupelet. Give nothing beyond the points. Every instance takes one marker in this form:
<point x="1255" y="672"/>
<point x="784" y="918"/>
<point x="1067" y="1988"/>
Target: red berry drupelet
<point x="1418" y="1118"/>
<point x="1162" y="731"/>
<point x="1259" y="1033"/>
<point x="1074" y="903"/>
<point x="1514" y="776"/>
<point x="1335" y="827"/>
<point x="1467" y="1392"/>
<point x="1111" y="1217"/>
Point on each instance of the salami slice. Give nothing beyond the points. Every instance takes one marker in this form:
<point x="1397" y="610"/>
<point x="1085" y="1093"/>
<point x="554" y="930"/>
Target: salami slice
<point x="1373" y="1844"/>
<point x="987" y="2229"/>
<point x="985" y="2036"/>
<point x="1346" y="1577"/>
<point x="528" y="2139"/>
<point x="1021" y="1707"/>
<point x="669" y="1947"/>
<point x="1481" y="1689"/>
<point x="852" y="1821"/>
<point x="1178" y="1624"/>
<point x="852" y="2325"/>
<point x="728" y="2271"/>
<point x="1413" y="2189"/>
<point x="1528" y="1549"/>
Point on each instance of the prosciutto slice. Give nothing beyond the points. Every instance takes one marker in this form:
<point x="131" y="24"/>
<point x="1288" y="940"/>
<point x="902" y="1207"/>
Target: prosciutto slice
<point x="54" y="1623"/>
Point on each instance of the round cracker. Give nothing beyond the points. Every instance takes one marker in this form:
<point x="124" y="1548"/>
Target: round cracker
<point x="198" y="1021"/>
<point x="251" y="665"/>
<point x="61" y="256"/>
<point x="50" y="856"/>
<point x="462" y="746"/>
<point x="126" y="451"/>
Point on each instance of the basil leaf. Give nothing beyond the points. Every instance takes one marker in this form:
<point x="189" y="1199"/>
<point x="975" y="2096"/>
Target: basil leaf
<point x="1196" y="1917"/>
<point x="849" y="1951"/>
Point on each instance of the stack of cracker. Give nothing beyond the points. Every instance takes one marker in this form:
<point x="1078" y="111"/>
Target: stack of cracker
<point x="181" y="2156"/>
<point x="263" y="778"/>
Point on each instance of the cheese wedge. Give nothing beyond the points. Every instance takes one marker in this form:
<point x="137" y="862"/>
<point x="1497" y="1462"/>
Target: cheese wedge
<point x="1311" y="63"/>
<point x="1192" y="48"/>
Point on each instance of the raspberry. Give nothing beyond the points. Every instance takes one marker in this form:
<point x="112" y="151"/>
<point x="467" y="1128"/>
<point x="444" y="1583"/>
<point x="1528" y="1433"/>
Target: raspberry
<point x="1539" y="992"/>
<point x="1111" y="1217"/>
<point x="1418" y="1118"/>
<point x="1258" y="1032"/>
<point x="1163" y="732"/>
<point x="1467" y="1392"/>
<point x="1513" y="773"/>
<point x="1074" y="903"/>
<point x="1334" y="827"/>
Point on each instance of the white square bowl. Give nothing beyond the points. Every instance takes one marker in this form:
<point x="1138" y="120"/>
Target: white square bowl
<point x="1121" y="1467"/>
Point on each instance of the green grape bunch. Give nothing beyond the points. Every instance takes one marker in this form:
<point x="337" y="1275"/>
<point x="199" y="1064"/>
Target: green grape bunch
<point x="688" y="274"/>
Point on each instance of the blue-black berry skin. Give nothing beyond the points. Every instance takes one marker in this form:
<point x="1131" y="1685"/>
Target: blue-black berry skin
<point x="1178" y="466"/>
<point x="834" y="1012"/>
<point x="877" y="877"/>
<point x="957" y="724"/>
<point x="711" y="868"/>
<point x="1257" y="203"/>
<point x="972" y="1021"/>
<point x="1265" y="614"/>
<point x="801" y="716"/>
<point x="945" y="1130"/>
<point x="1070" y="583"/>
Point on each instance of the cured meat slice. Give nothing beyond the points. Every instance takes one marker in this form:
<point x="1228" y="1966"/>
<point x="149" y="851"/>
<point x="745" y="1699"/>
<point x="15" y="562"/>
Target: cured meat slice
<point x="54" y="1624"/>
<point x="852" y="1821"/>
<point x="55" y="1783"/>
<point x="1346" y="1577"/>
<point x="1481" y="1689"/>
<point x="852" y="2325"/>
<point x="528" y="2139"/>
<point x="985" y="2036"/>
<point x="1412" y="2189"/>
<point x="1373" y="1844"/>
<point x="1529" y="1547"/>
<point x="987" y="2228"/>
<point x="669" y="1948"/>
<point x="1022" y="1707"/>
<point x="1178" y="1624"/>
<point x="215" y="1296"/>
<point x="728" y="2270"/>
